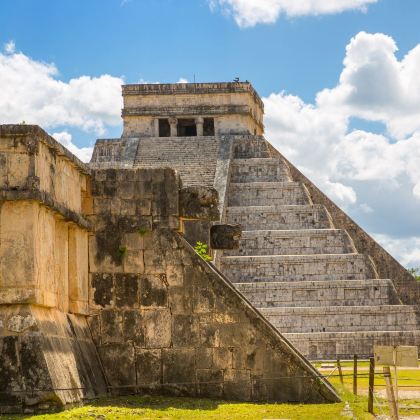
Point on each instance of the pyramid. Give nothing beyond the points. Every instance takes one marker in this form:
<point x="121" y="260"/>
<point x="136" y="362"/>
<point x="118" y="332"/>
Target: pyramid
<point x="309" y="269"/>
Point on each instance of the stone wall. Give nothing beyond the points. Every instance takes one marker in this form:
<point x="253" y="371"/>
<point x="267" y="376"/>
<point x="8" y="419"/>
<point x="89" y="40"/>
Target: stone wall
<point x="47" y="356"/>
<point x="165" y="321"/>
<point x="236" y="107"/>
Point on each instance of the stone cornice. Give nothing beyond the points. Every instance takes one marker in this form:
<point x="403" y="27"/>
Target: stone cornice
<point x="192" y="88"/>
<point x="31" y="134"/>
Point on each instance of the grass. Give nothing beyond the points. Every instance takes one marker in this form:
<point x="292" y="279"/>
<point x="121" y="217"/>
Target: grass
<point x="180" y="408"/>
<point x="406" y="377"/>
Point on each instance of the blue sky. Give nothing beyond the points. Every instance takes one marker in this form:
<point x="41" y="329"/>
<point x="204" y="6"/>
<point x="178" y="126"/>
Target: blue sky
<point x="360" y="119"/>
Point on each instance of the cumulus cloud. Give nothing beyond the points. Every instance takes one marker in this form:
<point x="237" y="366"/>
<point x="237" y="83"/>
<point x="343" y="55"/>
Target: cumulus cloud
<point x="375" y="177"/>
<point x="32" y="92"/>
<point x="65" y="138"/>
<point x="406" y="250"/>
<point x="249" y="13"/>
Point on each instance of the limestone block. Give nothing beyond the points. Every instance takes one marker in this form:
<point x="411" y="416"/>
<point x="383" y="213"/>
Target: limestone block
<point x="342" y="318"/>
<point x="225" y="236"/>
<point x="126" y="288"/>
<point x="199" y="203"/>
<point x="294" y="242"/>
<point x="267" y="194"/>
<point x="133" y="328"/>
<point x="267" y="268"/>
<point x="178" y="365"/>
<point x="157" y="328"/>
<point x="148" y="365"/>
<point x="259" y="170"/>
<point x="102" y="287"/>
<point x="279" y="217"/>
<point x="153" y="292"/>
<point x="185" y="331"/>
<point x="17" y="244"/>
<point x="319" y="293"/>
<point x="119" y="363"/>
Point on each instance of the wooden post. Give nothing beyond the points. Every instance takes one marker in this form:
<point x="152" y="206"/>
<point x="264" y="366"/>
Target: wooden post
<point x="355" y="374"/>
<point x="371" y="383"/>
<point x="395" y="375"/>
<point x="390" y="394"/>
<point x="340" y="371"/>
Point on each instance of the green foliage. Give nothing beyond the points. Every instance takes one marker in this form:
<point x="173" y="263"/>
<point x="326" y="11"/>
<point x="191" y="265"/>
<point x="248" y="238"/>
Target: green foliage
<point x="122" y="250"/>
<point x="201" y="249"/>
<point x="415" y="272"/>
<point x="143" y="231"/>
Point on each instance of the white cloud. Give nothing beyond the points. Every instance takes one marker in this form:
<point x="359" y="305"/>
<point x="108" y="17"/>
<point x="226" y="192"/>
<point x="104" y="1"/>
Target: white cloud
<point x="32" y="92"/>
<point x="251" y="12"/>
<point x="65" y="138"/>
<point x="182" y="80"/>
<point x="406" y="250"/>
<point x="10" y="47"/>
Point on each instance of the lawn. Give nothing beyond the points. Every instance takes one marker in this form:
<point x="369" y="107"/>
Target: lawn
<point x="152" y="408"/>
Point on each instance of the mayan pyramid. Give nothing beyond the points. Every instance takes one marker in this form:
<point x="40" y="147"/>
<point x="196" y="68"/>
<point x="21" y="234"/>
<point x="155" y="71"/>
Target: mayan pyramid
<point x="322" y="281"/>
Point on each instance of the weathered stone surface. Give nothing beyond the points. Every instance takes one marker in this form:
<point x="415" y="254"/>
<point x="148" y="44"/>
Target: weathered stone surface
<point x="199" y="202"/>
<point x="225" y="236"/>
<point x="179" y="324"/>
<point x="305" y="276"/>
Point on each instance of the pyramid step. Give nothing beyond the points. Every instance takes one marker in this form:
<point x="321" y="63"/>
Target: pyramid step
<point x="259" y="169"/>
<point x="249" y="146"/>
<point x="343" y="345"/>
<point x="312" y="216"/>
<point x="342" y="318"/>
<point x="267" y="194"/>
<point x="293" y="242"/>
<point x="265" y="268"/>
<point x="319" y="293"/>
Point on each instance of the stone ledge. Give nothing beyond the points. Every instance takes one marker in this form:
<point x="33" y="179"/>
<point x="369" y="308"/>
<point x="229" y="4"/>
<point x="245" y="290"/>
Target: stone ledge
<point x="45" y="199"/>
<point x="339" y="310"/>
<point x="38" y="134"/>
<point x="192" y="88"/>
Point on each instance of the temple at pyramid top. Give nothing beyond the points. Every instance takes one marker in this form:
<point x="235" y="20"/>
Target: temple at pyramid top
<point x="191" y="109"/>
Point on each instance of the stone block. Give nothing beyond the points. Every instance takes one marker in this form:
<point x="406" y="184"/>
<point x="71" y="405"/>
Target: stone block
<point x="185" y="331"/>
<point x="102" y="287"/>
<point x="158" y="328"/>
<point x="153" y="291"/>
<point x="126" y="290"/>
<point x="148" y="367"/>
<point x="119" y="363"/>
<point x="225" y="236"/>
<point x="133" y="327"/>
<point x="111" y="326"/>
<point x="210" y="382"/>
<point x="199" y="202"/>
<point x="178" y="366"/>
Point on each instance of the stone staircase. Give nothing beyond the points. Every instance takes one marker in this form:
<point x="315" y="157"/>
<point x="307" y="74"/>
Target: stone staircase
<point x="303" y="275"/>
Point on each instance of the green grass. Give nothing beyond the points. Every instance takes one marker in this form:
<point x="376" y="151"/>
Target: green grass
<point x="179" y="408"/>
<point x="406" y="376"/>
<point x="151" y="408"/>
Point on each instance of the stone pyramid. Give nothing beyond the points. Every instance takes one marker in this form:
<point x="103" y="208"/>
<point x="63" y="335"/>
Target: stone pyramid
<point x="308" y="267"/>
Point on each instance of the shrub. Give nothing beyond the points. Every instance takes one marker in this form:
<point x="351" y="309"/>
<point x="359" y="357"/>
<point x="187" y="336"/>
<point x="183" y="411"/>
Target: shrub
<point x="201" y="249"/>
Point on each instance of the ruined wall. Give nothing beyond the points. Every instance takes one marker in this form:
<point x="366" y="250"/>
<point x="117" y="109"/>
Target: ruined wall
<point x="164" y="320"/>
<point x="47" y="356"/>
